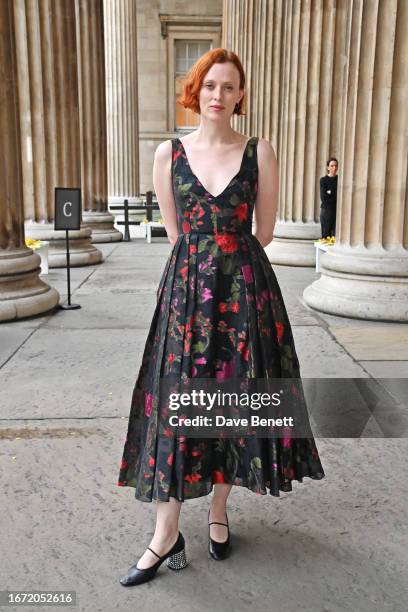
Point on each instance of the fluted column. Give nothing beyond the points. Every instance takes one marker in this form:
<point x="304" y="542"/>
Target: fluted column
<point x="122" y="100"/>
<point x="49" y="120"/>
<point x="22" y="292"/>
<point x="92" y="115"/>
<point x="314" y="40"/>
<point x="365" y="274"/>
<point x="253" y="30"/>
<point x="293" y="53"/>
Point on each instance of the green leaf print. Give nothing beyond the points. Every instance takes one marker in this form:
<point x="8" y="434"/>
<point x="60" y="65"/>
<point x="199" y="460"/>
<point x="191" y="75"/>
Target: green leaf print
<point x="184" y="187"/>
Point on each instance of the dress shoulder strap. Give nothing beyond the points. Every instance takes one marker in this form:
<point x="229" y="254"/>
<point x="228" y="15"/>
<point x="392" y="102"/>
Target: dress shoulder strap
<point x="251" y="150"/>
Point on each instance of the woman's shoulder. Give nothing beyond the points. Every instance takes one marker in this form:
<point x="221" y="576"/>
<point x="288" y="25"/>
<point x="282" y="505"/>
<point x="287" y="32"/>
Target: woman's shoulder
<point x="265" y="151"/>
<point x="163" y="150"/>
<point x="163" y="147"/>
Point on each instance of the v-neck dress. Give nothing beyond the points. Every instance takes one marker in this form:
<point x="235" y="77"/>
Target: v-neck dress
<point x="219" y="315"/>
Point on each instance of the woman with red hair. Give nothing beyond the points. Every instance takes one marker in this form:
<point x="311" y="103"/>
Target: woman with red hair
<point x="220" y="315"/>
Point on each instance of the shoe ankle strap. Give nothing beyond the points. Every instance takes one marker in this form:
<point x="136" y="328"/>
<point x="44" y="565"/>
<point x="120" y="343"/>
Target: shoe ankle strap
<point x="155" y="553"/>
<point x="217" y="523"/>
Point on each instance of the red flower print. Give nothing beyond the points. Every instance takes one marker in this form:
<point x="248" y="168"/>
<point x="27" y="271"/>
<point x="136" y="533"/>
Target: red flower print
<point x="235" y="307"/>
<point x="241" y="211"/>
<point x="187" y="341"/>
<point x="218" y="476"/>
<point x="247" y="272"/>
<point x="176" y="154"/>
<point x="279" y="328"/>
<point x="148" y="404"/>
<point x="195" y="453"/>
<point x="227" y="242"/>
<point x="171" y="358"/>
<point x="198" y="210"/>
<point x="121" y="484"/>
<point x="123" y="464"/>
<point x="223" y="307"/>
<point x="183" y="272"/>
<point x="192" y="478"/>
<point x="192" y="248"/>
<point x="151" y="461"/>
<point x="186" y="227"/>
<point x="170" y="459"/>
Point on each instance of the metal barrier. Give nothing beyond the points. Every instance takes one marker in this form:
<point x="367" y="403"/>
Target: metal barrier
<point x="149" y="207"/>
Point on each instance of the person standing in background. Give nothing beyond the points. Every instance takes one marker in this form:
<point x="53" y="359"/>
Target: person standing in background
<point x="328" y="197"/>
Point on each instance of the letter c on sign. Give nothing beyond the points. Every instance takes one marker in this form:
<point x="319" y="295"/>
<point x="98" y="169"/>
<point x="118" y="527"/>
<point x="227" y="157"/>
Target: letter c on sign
<point x="66" y="214"/>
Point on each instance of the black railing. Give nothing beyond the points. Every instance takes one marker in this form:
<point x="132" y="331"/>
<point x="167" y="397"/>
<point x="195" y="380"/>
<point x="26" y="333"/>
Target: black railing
<point x="148" y="208"/>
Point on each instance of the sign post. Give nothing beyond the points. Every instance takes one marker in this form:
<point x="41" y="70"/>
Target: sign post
<point x="67" y="217"/>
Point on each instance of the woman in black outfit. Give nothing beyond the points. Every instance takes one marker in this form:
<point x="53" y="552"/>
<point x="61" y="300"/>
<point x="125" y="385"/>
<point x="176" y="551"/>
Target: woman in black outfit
<point x="328" y="196"/>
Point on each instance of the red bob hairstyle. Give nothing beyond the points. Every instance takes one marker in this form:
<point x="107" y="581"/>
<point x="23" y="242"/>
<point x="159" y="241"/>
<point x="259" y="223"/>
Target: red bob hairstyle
<point x="196" y="74"/>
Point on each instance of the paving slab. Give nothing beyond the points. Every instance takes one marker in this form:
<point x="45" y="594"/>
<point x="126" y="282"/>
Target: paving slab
<point x="379" y="342"/>
<point x="66" y="380"/>
<point x="70" y="373"/>
<point x="386" y="369"/>
<point x="321" y="356"/>
<point x="332" y="545"/>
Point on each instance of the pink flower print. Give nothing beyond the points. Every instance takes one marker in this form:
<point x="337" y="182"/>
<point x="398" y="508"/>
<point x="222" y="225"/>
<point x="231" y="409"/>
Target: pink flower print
<point x="206" y="294"/>
<point x="227" y="370"/>
<point x="261" y="299"/>
<point x="148" y="404"/>
<point x="247" y="272"/>
<point x="201" y="360"/>
<point x="287" y="442"/>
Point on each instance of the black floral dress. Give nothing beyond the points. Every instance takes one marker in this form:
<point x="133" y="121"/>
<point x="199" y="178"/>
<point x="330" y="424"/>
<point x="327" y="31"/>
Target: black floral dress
<point x="219" y="314"/>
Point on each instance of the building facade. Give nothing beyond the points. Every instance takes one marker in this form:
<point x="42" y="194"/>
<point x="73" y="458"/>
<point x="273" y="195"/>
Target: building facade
<point x="324" y="78"/>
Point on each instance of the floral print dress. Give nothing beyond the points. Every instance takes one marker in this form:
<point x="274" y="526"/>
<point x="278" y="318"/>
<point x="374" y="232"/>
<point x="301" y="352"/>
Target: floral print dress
<point x="219" y="314"/>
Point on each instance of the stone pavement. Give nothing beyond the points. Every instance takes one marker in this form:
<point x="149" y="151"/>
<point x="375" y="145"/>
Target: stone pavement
<point x="66" y="381"/>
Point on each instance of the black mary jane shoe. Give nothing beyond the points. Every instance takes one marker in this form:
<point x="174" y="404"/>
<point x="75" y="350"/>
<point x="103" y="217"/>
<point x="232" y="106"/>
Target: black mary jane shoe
<point x="218" y="550"/>
<point x="176" y="560"/>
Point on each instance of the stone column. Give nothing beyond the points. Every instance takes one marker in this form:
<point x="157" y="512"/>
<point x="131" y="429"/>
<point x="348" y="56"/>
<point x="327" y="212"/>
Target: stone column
<point x="92" y="114"/>
<point x="49" y="121"/>
<point x="22" y="292"/>
<point x="253" y="30"/>
<point x="122" y="100"/>
<point x="365" y="275"/>
<point x="313" y="59"/>
<point x="294" y="56"/>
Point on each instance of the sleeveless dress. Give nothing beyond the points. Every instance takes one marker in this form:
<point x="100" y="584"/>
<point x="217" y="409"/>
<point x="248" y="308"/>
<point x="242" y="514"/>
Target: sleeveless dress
<point x="219" y="314"/>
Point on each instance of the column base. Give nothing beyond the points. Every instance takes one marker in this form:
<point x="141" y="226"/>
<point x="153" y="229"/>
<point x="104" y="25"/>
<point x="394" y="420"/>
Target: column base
<point x="292" y="244"/>
<point x="22" y="292"/>
<point x="101" y="224"/>
<point x="81" y="250"/>
<point x="362" y="283"/>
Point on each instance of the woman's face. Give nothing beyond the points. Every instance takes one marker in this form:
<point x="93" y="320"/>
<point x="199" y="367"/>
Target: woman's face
<point x="332" y="168"/>
<point x="220" y="91"/>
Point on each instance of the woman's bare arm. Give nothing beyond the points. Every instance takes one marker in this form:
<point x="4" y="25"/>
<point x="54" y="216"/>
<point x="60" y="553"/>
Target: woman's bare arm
<point x="163" y="189"/>
<point x="267" y="198"/>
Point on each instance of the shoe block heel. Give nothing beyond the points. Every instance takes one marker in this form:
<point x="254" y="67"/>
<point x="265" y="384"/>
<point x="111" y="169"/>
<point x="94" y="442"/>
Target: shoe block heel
<point x="177" y="561"/>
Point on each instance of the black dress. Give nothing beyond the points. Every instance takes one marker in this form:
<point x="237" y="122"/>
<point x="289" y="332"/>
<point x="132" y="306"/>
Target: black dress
<point x="219" y="314"/>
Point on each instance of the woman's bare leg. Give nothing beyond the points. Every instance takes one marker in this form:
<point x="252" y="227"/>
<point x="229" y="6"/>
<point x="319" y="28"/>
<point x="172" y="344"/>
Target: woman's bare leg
<point x="166" y="532"/>
<point x="218" y="511"/>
